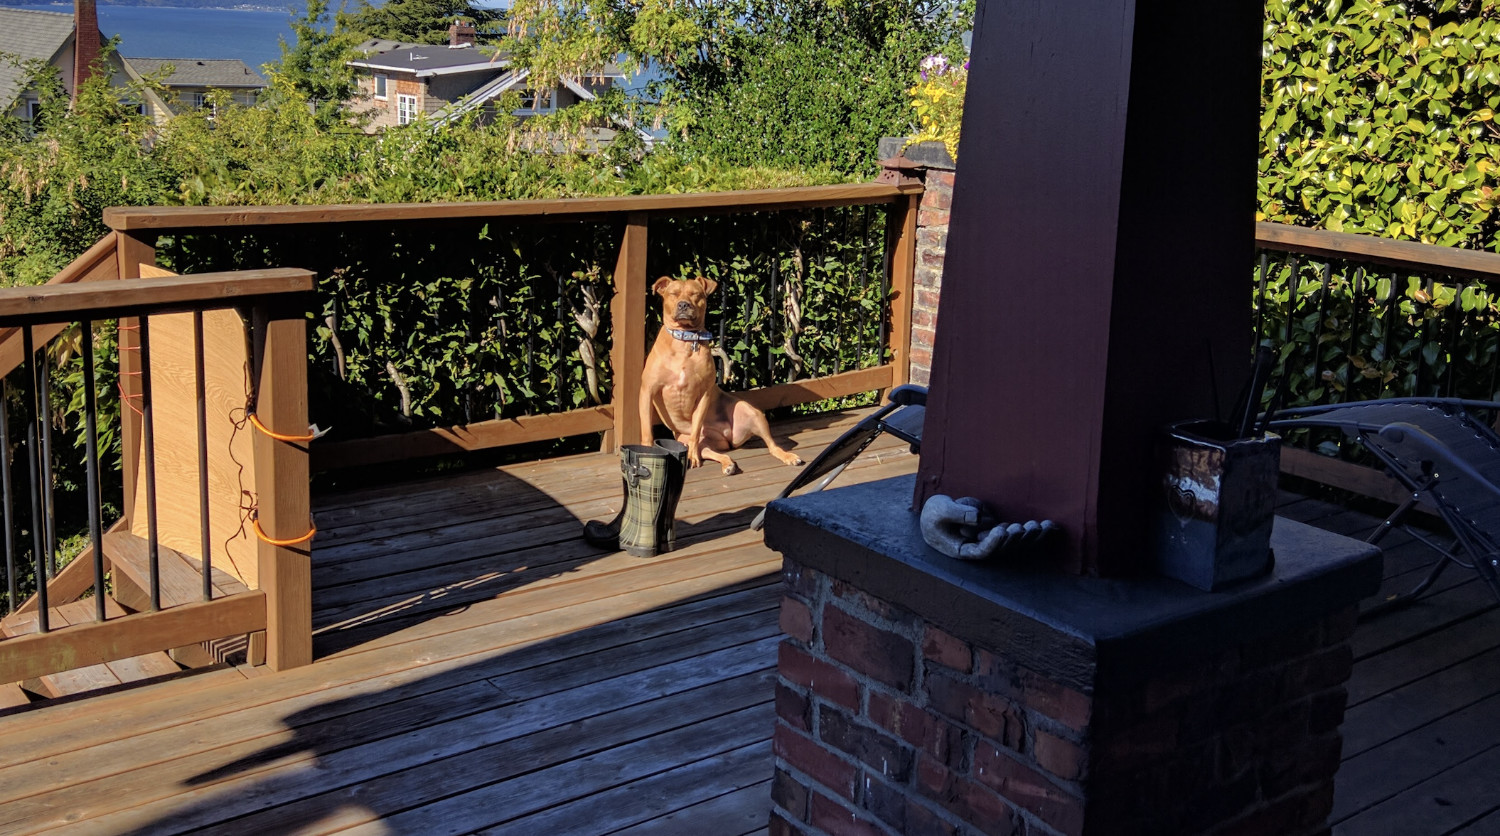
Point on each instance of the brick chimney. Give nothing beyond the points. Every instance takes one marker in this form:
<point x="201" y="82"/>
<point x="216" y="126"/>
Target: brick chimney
<point x="462" y="33"/>
<point x="86" y="41"/>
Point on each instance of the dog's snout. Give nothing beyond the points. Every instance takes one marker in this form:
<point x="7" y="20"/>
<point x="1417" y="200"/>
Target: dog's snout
<point x="684" y="308"/>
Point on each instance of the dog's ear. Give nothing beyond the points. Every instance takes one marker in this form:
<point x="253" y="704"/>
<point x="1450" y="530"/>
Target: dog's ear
<point x="661" y="285"/>
<point x="708" y="284"/>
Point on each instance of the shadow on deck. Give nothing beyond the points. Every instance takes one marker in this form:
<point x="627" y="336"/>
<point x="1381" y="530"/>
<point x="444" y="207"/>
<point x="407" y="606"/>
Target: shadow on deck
<point x="481" y="669"/>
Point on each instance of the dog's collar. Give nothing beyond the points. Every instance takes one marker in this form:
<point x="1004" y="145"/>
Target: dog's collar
<point x="693" y="337"/>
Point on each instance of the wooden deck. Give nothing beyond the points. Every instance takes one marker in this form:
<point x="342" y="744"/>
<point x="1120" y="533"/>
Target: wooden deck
<point x="1422" y="730"/>
<point x="481" y="669"/>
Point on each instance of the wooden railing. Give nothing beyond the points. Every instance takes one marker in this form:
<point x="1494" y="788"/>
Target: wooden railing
<point x="1345" y="288"/>
<point x="138" y="230"/>
<point x="172" y="465"/>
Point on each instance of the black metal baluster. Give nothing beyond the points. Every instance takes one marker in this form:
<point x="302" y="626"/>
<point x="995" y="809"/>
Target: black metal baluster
<point x="889" y="240"/>
<point x="6" y="491"/>
<point x="1293" y="290"/>
<point x="49" y="501"/>
<point x="1356" y="318"/>
<point x="33" y="475"/>
<point x="1391" y="309"/>
<point x="1422" y="332"/>
<point x="205" y="544"/>
<point x="91" y="462"/>
<point x="1451" y="315"/>
<point x="148" y="455"/>
<point x="1260" y="297"/>
<point x="1317" y="340"/>
<point x="864" y="282"/>
<point x="558" y="383"/>
<point x="772" y="317"/>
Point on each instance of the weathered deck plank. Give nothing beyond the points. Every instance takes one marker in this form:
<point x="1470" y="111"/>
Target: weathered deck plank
<point x="481" y="670"/>
<point x="1423" y="697"/>
<point x="462" y="641"/>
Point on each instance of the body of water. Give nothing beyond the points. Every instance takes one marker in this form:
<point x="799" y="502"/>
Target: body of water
<point x="158" y="32"/>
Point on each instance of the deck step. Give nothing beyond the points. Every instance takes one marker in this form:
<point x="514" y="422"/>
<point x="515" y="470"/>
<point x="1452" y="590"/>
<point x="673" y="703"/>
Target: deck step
<point x="181" y="577"/>
<point x="93" y="677"/>
<point x="181" y="580"/>
<point x="13" y="696"/>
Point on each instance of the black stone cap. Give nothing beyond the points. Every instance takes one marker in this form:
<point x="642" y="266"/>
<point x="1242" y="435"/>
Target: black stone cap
<point x="1078" y="631"/>
<point x="928" y="154"/>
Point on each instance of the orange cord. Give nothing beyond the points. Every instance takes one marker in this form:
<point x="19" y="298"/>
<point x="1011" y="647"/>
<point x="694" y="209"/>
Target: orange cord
<point x="259" y="532"/>
<point x="254" y="419"/>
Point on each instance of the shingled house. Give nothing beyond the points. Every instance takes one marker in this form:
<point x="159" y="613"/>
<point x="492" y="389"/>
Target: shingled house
<point x="52" y="38"/>
<point x="399" y="82"/>
<point x="189" y="82"/>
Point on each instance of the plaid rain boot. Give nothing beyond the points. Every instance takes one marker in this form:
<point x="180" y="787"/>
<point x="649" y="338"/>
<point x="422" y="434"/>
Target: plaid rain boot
<point x="652" y="478"/>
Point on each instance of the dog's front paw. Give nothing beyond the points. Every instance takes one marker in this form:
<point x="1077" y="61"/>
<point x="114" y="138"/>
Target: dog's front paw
<point x="731" y="469"/>
<point x="695" y="460"/>
<point x="790" y="459"/>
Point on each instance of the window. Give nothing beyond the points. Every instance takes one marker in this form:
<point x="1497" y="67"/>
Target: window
<point x="33" y="111"/>
<point x="533" y="102"/>
<point x="406" y="109"/>
<point x="200" y="100"/>
<point x="380" y="82"/>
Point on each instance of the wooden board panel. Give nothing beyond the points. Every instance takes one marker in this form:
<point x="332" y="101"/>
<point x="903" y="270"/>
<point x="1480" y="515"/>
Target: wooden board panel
<point x="35" y="655"/>
<point x="231" y="465"/>
<point x="95" y="300"/>
<point x="96" y="264"/>
<point x="230" y="782"/>
<point x="480" y="435"/>
<point x="122" y="218"/>
<point x="603" y="808"/>
<point x="737" y="813"/>
<point x="1387" y="252"/>
<point x="76" y="742"/>
<point x="816" y="389"/>
<point x="1376" y="775"/>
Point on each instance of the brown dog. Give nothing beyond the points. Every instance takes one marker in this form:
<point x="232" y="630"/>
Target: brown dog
<point x="681" y="385"/>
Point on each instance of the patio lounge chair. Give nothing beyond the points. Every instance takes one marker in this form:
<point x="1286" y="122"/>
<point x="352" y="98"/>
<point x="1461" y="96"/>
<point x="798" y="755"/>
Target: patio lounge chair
<point x="1440" y="451"/>
<point x="901" y="416"/>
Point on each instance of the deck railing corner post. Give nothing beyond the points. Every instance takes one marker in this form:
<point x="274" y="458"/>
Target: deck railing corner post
<point x="282" y="480"/>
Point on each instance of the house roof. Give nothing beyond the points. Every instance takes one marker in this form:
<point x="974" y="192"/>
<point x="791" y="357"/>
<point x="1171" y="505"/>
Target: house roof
<point x="28" y="35"/>
<point x="429" y="60"/>
<point x="224" y="73"/>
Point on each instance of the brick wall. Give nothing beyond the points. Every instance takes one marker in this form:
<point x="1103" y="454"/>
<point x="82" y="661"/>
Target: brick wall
<point x="887" y="724"/>
<point x="935" y="168"/>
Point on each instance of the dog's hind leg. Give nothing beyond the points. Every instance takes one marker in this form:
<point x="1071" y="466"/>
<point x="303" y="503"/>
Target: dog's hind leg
<point x="750" y="421"/>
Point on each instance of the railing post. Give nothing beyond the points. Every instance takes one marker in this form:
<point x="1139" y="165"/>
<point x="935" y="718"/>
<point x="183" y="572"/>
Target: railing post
<point x="282" y="482"/>
<point x="627" y="353"/>
<point x="901" y="249"/>
<point x="131" y="252"/>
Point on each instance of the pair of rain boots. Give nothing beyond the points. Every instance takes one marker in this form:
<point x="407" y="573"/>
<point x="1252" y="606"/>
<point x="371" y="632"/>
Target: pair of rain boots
<point x="646" y="525"/>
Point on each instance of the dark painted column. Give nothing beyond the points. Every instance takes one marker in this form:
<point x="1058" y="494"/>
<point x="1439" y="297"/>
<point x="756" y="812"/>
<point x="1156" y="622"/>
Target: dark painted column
<point x="1100" y="251"/>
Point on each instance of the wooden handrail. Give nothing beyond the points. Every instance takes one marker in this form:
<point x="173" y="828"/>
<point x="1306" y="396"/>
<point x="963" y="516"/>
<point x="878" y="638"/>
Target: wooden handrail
<point x="96" y="264"/>
<point x="1386" y="252"/>
<point x="161" y="218"/>
<point x="53" y="303"/>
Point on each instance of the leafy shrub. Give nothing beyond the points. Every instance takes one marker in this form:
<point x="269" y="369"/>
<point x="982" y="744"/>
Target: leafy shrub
<point x="938" y="100"/>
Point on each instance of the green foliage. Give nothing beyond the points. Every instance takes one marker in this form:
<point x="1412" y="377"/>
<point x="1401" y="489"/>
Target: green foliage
<point x="938" y="100"/>
<point x="793" y="83"/>
<point x="417" y="21"/>
<point x="314" y="70"/>
<point x="1378" y="117"/>
<point x="54" y="189"/>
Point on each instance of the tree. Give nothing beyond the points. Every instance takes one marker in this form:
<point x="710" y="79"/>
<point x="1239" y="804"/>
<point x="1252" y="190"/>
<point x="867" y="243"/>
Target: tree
<point x="418" y="21"/>
<point x="809" y="83"/>
<point x="316" y="66"/>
